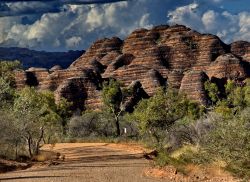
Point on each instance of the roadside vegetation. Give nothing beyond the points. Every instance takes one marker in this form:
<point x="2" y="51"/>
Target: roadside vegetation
<point x="28" y="118"/>
<point x="179" y="130"/>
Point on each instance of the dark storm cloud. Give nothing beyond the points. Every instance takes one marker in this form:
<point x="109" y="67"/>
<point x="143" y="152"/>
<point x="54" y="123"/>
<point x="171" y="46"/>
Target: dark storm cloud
<point x="26" y="7"/>
<point x="66" y="1"/>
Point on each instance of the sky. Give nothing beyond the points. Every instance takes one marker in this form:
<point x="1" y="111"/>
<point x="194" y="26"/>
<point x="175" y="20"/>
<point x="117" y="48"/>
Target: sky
<point x="61" y="25"/>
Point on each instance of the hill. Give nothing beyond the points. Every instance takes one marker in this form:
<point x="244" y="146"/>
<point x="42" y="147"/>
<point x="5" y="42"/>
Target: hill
<point x="31" y="58"/>
<point x="173" y="56"/>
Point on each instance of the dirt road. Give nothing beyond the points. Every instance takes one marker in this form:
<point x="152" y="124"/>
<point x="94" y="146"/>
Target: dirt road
<point x="88" y="163"/>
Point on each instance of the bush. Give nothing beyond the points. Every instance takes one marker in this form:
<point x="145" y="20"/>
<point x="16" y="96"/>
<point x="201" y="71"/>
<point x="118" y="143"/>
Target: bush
<point x="11" y="143"/>
<point x="228" y="141"/>
<point x="99" y="125"/>
<point x="92" y="124"/>
<point x="187" y="131"/>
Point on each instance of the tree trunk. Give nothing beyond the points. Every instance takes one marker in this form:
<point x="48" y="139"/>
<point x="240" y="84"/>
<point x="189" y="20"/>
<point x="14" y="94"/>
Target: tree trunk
<point x="16" y="145"/>
<point x="118" y="132"/>
<point x="29" y="144"/>
<point x="39" y="141"/>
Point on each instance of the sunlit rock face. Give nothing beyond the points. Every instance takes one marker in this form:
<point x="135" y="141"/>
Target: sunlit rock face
<point x="165" y="56"/>
<point x="241" y="49"/>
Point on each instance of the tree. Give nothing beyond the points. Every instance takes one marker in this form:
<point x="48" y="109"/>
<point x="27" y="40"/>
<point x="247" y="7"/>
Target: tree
<point x="157" y="114"/>
<point x="64" y="111"/>
<point x="7" y="81"/>
<point x="10" y="140"/>
<point x="6" y="93"/>
<point x="212" y="91"/>
<point x="37" y="117"/>
<point x="6" y="70"/>
<point x="237" y="98"/>
<point x="9" y="137"/>
<point x="113" y="97"/>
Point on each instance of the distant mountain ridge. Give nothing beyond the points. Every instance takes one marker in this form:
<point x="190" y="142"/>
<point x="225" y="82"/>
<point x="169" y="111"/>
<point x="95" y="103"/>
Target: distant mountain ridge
<point x="32" y="58"/>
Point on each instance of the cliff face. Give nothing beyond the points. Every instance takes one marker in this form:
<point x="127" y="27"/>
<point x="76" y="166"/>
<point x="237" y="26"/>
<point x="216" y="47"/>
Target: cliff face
<point x="173" y="56"/>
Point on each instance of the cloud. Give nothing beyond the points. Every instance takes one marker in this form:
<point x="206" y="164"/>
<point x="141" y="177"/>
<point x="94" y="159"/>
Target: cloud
<point x="74" y="28"/>
<point x="244" y="26"/>
<point x="73" y="42"/>
<point x="28" y="8"/>
<point x="75" y="24"/>
<point x="229" y="27"/>
<point x="24" y="7"/>
<point x="188" y="14"/>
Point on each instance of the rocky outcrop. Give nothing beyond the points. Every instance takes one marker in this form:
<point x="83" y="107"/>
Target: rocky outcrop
<point x="193" y="84"/>
<point x="227" y="66"/>
<point x="83" y="92"/>
<point x="241" y="49"/>
<point x="174" y="56"/>
<point x="136" y="93"/>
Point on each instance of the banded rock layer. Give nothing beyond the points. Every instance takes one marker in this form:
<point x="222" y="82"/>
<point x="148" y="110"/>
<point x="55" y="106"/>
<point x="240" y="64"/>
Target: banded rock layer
<point x="173" y="56"/>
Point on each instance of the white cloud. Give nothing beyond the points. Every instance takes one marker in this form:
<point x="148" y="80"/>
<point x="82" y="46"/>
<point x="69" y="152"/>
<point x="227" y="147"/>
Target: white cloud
<point x="229" y="27"/>
<point x="209" y="19"/>
<point x="244" y="24"/>
<point x="144" y="21"/>
<point x="189" y="14"/>
<point x="77" y="26"/>
<point x="73" y="42"/>
<point x="94" y="18"/>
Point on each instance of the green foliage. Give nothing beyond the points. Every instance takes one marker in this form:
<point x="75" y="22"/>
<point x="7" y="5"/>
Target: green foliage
<point x="64" y="111"/>
<point x="156" y="115"/>
<point x="91" y="125"/>
<point x="10" y="140"/>
<point x="34" y="118"/>
<point x="230" y="142"/>
<point x="112" y="95"/>
<point x="247" y="92"/>
<point x="237" y="98"/>
<point x="7" y="82"/>
<point x="223" y="108"/>
<point x="37" y="117"/>
<point x="7" y="68"/>
<point x="7" y="93"/>
<point x="112" y="98"/>
<point x="235" y="95"/>
<point x="193" y="110"/>
<point x="212" y="90"/>
<point x="164" y="159"/>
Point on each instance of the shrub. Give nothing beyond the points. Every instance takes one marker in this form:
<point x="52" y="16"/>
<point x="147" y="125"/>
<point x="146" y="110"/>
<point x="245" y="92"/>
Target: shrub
<point x="11" y="143"/>
<point x="158" y="115"/>
<point x="228" y="141"/>
<point x="91" y="124"/>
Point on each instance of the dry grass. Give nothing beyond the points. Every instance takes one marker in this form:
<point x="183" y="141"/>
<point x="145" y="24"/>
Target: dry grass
<point x="186" y="148"/>
<point x="195" y="173"/>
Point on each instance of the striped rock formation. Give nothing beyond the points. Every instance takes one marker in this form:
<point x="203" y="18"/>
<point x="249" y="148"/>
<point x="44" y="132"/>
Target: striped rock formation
<point x="173" y="56"/>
